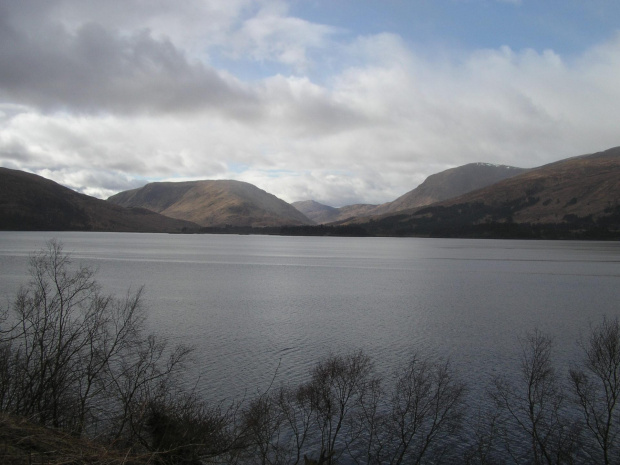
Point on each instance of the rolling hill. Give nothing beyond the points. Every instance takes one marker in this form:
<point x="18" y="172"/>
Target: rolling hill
<point x="449" y="184"/>
<point x="213" y="203"/>
<point x="437" y="187"/>
<point x="573" y="198"/>
<point x="31" y="202"/>
<point x="577" y="197"/>
<point x="323" y="214"/>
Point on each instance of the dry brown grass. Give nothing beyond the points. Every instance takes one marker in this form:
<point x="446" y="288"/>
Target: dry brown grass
<point x="24" y="443"/>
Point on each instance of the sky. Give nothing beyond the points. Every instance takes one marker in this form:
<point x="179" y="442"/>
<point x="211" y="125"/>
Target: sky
<point x="339" y="101"/>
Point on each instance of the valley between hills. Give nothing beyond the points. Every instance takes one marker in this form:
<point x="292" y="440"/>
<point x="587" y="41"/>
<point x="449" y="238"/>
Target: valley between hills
<point x="575" y="198"/>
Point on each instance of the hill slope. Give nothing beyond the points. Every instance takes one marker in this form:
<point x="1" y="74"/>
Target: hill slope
<point x="576" y="197"/>
<point x="213" y="203"/>
<point x="31" y="202"/>
<point x="323" y="214"/>
<point x="315" y="211"/>
<point x="448" y="184"/>
<point x="441" y="186"/>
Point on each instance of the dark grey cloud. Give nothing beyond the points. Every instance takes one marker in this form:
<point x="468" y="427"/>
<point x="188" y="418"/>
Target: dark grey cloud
<point x="98" y="69"/>
<point x="307" y="109"/>
<point x="100" y="183"/>
<point x="107" y="95"/>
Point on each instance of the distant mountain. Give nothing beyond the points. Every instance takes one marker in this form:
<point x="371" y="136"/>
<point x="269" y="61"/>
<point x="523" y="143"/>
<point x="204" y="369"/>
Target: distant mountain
<point x="576" y="197"/>
<point x="31" y="202"/>
<point x="358" y="209"/>
<point x="323" y="214"/>
<point x="315" y="211"/>
<point x="213" y="203"/>
<point x="441" y="186"/>
<point x="448" y="184"/>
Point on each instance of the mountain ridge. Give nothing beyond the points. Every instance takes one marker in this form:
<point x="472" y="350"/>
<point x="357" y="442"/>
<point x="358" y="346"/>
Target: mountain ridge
<point x="32" y="202"/>
<point x="578" y="197"/>
<point x="436" y="187"/>
<point x="450" y="183"/>
<point x="213" y="203"/>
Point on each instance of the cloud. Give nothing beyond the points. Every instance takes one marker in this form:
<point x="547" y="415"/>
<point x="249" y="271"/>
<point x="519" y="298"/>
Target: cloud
<point x="271" y="35"/>
<point x="92" y="183"/>
<point x="100" y="101"/>
<point x="95" y="70"/>
<point x="192" y="25"/>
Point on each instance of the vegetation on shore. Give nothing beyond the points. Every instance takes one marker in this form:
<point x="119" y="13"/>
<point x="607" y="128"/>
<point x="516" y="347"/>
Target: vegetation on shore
<point x="82" y="382"/>
<point x="462" y="221"/>
<point x="575" y="198"/>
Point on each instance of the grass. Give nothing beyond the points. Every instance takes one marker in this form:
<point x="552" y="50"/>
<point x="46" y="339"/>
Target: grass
<point x="24" y="443"/>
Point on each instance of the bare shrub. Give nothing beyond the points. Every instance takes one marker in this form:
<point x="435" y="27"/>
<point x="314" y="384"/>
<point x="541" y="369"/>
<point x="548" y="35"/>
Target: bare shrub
<point x="334" y="393"/>
<point x="181" y="428"/>
<point x="74" y="358"/>
<point x="533" y="412"/>
<point x="597" y="390"/>
<point x="265" y="429"/>
<point x="426" y="412"/>
<point x="344" y="413"/>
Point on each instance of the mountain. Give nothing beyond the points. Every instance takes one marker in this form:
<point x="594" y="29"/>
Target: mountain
<point x="441" y="186"/>
<point x="213" y="203"/>
<point x="573" y="198"/>
<point x="448" y="184"/>
<point x="315" y="211"/>
<point x="31" y="202"/>
<point x="323" y="214"/>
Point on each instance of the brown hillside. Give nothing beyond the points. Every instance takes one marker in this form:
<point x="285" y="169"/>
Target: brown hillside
<point x="576" y="198"/>
<point x="437" y="187"/>
<point x="580" y="186"/>
<point x="213" y="203"/>
<point x="317" y="212"/>
<point x="322" y="214"/>
<point x="31" y="202"/>
<point x="448" y="184"/>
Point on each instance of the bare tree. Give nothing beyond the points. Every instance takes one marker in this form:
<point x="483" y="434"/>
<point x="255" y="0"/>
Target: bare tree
<point x="533" y="408"/>
<point x="345" y="412"/>
<point x="334" y="392"/>
<point x="68" y="352"/>
<point x="262" y="427"/>
<point x="368" y="427"/>
<point x="136" y="381"/>
<point x="483" y="439"/>
<point x="181" y="428"/>
<point x="63" y="333"/>
<point x="297" y="410"/>
<point x="597" y="388"/>
<point x="426" y="410"/>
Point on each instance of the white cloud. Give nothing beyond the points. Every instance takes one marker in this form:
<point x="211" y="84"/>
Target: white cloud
<point x="100" y="184"/>
<point x="112" y="104"/>
<point x="193" y="25"/>
<point x="272" y="35"/>
<point x="95" y="70"/>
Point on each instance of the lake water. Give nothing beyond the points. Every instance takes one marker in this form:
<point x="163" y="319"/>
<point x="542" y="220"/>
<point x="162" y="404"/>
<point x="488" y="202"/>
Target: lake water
<point x="258" y="306"/>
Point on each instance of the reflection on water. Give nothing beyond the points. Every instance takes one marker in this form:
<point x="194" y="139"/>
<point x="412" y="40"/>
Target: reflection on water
<point x="255" y="306"/>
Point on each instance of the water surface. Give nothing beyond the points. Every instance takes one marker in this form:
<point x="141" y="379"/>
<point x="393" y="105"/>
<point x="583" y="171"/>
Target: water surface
<point x="259" y="306"/>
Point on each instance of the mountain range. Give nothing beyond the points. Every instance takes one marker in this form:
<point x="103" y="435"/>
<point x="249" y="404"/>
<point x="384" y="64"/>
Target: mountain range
<point x="437" y="187"/>
<point x="32" y="203"/>
<point x="575" y="197"/>
<point x="213" y="203"/>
